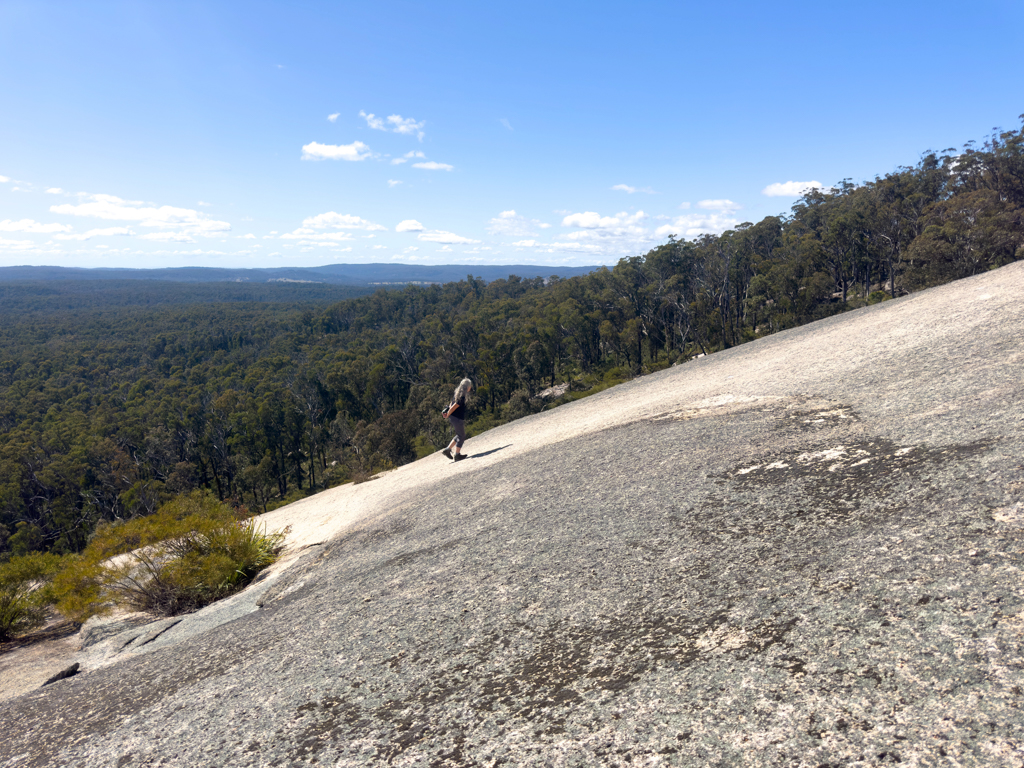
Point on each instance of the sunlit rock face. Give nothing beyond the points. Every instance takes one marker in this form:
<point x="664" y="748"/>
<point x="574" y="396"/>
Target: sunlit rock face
<point x="802" y="551"/>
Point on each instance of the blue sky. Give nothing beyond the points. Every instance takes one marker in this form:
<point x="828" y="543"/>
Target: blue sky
<point x="257" y="134"/>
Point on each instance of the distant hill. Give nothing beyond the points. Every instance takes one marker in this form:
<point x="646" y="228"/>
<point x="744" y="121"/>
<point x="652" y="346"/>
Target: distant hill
<point x="334" y="274"/>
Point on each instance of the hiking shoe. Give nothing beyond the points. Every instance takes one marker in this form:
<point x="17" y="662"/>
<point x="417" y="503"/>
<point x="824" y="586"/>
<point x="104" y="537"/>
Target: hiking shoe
<point x="447" y="453"/>
<point x="460" y="456"/>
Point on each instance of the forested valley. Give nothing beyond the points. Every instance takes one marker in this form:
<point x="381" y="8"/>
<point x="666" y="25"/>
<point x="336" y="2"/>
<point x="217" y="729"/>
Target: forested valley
<point x="117" y="398"/>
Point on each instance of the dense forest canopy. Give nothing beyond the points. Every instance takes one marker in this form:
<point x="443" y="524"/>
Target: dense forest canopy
<point x="112" y="404"/>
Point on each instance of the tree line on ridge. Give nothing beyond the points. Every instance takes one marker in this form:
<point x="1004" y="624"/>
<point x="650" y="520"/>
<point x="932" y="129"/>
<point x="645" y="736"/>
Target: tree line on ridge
<point x="108" y="411"/>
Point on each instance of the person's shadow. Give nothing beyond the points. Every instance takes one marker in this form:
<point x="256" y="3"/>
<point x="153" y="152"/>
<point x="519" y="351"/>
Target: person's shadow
<point x="488" y="453"/>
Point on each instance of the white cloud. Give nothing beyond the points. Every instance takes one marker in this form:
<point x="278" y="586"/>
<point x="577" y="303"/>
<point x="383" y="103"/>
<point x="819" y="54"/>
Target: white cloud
<point x="610" y="235"/>
<point x="407" y="156"/>
<point x="306" y="246"/>
<point x="684" y="206"/>
<point x="411" y="249"/>
<point x="353" y="152"/>
<point x="340" y="221"/>
<point x="168" y="237"/>
<point x="592" y="220"/>
<point x="696" y="224"/>
<point x="203" y="204"/>
<point x="579" y="247"/>
<point x="379" y="247"/>
<point x="310" y="235"/>
<point x="395" y="124"/>
<point x="719" y="205"/>
<point x="4" y="179"/>
<point x="373" y="121"/>
<point x="186" y="220"/>
<point x="55" y="191"/>
<point x="250" y="236"/>
<point x="432" y="166"/>
<point x="16" y="245"/>
<point x="630" y="190"/>
<point x="107" y="232"/>
<point x="312" y="232"/>
<point x="512" y="224"/>
<point x="28" y="225"/>
<point x="406" y="126"/>
<point x="409" y="225"/>
<point x="393" y="182"/>
<point x="447" y="238"/>
<point x="790" y="188"/>
<point x="334" y="118"/>
<point x="504" y="121"/>
<point x="526" y="244"/>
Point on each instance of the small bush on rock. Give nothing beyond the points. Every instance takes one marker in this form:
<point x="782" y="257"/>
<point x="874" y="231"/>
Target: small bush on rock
<point x="188" y="554"/>
<point x="25" y="592"/>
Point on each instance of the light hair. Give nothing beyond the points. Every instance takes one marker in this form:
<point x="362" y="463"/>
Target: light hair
<point x="462" y="389"/>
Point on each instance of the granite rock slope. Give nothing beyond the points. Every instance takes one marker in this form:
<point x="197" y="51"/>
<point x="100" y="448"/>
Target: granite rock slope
<point x="805" y="551"/>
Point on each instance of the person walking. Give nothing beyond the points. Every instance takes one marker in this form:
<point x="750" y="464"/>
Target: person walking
<point x="456" y="415"/>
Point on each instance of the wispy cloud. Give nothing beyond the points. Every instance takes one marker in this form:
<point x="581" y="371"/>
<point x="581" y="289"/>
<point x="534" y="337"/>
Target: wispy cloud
<point x="719" y="205"/>
<point x="446" y="238"/>
<point x="16" y="245"/>
<point x="609" y="235"/>
<point x="592" y="220"/>
<point x="430" y="165"/>
<point x="329" y="229"/>
<point x="28" y="225"/>
<point x="311" y="236"/>
<point x="512" y="224"/>
<point x="395" y="124"/>
<point x="790" y="188"/>
<point x="504" y="121"/>
<point x="632" y="190"/>
<point x="105" y="232"/>
<point x="185" y="221"/>
<point x="168" y="237"/>
<point x="696" y="224"/>
<point x="333" y="220"/>
<point x="406" y="125"/>
<point x="394" y="182"/>
<point x="407" y="157"/>
<point x="353" y="152"/>
<point x="334" y="118"/>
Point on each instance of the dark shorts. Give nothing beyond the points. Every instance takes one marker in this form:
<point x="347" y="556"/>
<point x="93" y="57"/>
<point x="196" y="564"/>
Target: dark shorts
<point x="459" y="425"/>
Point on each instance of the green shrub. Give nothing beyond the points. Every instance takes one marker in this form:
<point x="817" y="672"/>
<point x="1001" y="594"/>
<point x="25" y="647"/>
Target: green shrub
<point x="188" y="554"/>
<point x="25" y="592"/>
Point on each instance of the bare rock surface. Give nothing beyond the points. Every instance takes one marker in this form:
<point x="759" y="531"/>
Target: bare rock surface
<point x="805" y="551"/>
